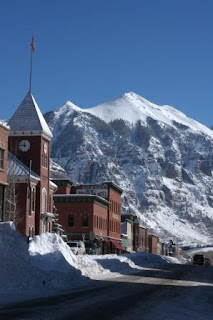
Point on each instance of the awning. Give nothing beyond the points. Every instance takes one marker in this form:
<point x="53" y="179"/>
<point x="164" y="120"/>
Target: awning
<point x="117" y="244"/>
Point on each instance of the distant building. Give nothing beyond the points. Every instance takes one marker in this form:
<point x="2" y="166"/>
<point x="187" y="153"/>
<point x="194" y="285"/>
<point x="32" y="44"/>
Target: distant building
<point x="139" y="233"/>
<point x="153" y="244"/>
<point x="127" y="235"/>
<point x="143" y="244"/>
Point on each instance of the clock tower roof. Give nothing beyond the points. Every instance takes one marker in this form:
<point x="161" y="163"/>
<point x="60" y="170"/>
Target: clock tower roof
<point x="28" y="119"/>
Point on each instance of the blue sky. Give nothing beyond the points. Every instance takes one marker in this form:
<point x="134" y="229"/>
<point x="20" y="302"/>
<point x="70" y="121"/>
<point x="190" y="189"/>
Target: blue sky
<point x="92" y="51"/>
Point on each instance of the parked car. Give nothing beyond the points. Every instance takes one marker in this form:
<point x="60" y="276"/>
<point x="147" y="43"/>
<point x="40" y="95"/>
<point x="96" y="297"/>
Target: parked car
<point x="92" y="248"/>
<point x="77" y="247"/>
<point x="198" y="259"/>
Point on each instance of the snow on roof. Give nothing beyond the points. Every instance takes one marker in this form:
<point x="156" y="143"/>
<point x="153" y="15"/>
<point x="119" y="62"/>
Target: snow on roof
<point x="3" y="124"/>
<point x="77" y="195"/>
<point x="28" y="118"/>
<point x="111" y="183"/>
<point x="57" y="172"/>
<point x="53" y="185"/>
<point x="16" y="168"/>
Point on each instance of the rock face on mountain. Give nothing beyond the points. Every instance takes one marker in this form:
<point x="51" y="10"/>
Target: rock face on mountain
<point x="161" y="159"/>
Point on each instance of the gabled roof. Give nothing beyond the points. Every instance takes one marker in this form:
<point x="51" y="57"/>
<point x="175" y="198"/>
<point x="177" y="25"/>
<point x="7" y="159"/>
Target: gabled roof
<point x="28" y="119"/>
<point x="18" y="171"/>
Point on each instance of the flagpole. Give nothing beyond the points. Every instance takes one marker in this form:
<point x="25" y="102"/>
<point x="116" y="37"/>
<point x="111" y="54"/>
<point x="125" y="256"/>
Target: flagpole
<point x="31" y="67"/>
<point x="32" y="46"/>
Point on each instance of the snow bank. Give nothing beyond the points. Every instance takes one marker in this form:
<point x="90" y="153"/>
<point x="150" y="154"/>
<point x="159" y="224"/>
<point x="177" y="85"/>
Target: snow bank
<point x="47" y="265"/>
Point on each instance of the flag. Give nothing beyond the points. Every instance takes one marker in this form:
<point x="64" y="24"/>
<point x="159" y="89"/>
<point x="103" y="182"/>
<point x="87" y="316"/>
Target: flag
<point x="33" y="44"/>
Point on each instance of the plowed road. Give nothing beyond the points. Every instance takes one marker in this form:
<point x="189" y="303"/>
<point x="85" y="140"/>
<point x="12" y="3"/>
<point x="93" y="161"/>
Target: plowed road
<point x="173" y="292"/>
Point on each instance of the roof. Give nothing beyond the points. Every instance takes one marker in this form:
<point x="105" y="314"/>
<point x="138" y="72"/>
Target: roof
<point x="79" y="198"/>
<point x="4" y="125"/>
<point x="110" y="184"/>
<point x="53" y="185"/>
<point x="19" y="170"/>
<point x="114" y="186"/>
<point x="28" y="119"/>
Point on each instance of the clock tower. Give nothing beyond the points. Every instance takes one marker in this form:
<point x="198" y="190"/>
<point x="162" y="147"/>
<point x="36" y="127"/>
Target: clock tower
<point x="29" y="141"/>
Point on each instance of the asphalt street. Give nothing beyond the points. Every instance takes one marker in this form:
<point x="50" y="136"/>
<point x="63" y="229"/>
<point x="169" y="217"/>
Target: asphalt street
<point x="170" y="292"/>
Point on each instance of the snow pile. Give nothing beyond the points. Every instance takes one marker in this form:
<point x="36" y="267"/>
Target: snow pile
<point x="47" y="264"/>
<point x="50" y="253"/>
<point x="15" y="264"/>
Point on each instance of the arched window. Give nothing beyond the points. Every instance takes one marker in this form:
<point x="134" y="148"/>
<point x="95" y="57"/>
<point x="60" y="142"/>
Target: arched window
<point x="44" y="200"/>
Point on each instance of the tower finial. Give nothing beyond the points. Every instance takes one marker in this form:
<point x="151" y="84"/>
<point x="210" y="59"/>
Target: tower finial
<point x="32" y="45"/>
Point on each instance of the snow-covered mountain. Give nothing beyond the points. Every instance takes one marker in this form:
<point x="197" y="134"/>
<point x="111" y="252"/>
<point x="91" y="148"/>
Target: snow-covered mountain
<point x="161" y="158"/>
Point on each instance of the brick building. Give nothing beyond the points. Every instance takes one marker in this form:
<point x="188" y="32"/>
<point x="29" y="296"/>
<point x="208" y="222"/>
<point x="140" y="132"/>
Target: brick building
<point x="29" y="144"/>
<point x="143" y="239"/>
<point x="139" y="233"/>
<point x="127" y="235"/>
<point x="153" y="244"/>
<point x="112" y="193"/>
<point x="90" y="212"/>
<point x="4" y="131"/>
<point x="83" y="217"/>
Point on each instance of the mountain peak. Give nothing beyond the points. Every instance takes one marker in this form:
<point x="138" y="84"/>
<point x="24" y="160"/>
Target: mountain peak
<point x="67" y="109"/>
<point x="162" y="160"/>
<point x="137" y="99"/>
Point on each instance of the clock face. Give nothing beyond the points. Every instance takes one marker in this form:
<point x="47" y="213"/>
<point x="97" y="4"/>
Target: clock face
<point x="45" y="147"/>
<point x="24" y="145"/>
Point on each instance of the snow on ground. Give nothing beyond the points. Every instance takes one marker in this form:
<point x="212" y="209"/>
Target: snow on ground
<point x="47" y="265"/>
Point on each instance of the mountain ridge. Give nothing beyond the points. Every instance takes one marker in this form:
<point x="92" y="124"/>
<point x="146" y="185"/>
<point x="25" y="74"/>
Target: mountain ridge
<point x="162" y="161"/>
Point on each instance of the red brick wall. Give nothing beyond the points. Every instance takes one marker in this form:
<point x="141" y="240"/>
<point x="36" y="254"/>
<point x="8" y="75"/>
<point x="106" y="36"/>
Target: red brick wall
<point x="77" y="208"/>
<point x="39" y="164"/>
<point x="114" y="216"/>
<point x="4" y="145"/>
<point x="153" y="244"/>
<point x="63" y="190"/>
<point x="143" y="239"/>
<point x="101" y="213"/>
<point x="25" y="222"/>
<point x="114" y="212"/>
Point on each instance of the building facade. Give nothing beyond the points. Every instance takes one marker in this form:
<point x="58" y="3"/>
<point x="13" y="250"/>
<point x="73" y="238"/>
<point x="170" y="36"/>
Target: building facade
<point x="83" y="217"/>
<point x="153" y="244"/>
<point x="90" y="212"/>
<point x="29" y="142"/>
<point x="4" y="131"/>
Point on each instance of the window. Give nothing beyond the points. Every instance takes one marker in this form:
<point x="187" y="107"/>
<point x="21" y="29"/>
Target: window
<point x="33" y="199"/>
<point x="71" y="220"/>
<point x="85" y="220"/>
<point x="44" y="160"/>
<point x="44" y="200"/>
<point x="1" y="159"/>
